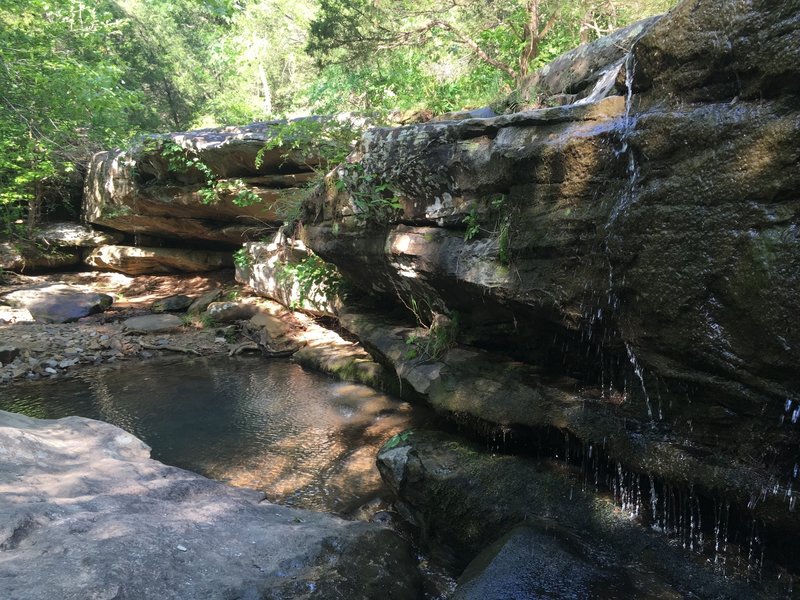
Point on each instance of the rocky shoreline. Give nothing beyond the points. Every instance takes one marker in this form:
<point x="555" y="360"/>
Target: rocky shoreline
<point x="32" y="350"/>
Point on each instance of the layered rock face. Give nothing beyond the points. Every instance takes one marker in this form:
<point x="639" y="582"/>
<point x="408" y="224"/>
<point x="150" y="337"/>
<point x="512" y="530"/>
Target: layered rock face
<point x="639" y="252"/>
<point x="147" y="190"/>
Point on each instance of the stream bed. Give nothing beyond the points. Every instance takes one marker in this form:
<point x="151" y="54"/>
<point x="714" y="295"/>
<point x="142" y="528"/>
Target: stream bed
<point x="301" y="437"/>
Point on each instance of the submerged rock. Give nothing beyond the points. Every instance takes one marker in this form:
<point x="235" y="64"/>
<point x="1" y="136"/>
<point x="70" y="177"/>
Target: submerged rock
<point x="85" y="513"/>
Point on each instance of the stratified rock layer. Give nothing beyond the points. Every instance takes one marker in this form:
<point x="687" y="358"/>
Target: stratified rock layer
<point x="85" y="513"/>
<point x="136" y="260"/>
<point x="643" y="247"/>
<point x="140" y="191"/>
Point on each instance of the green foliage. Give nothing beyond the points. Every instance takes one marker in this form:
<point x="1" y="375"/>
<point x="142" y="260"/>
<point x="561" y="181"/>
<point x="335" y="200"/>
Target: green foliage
<point x="242" y="259"/>
<point x="398" y="439"/>
<point x="443" y="55"/>
<point x="473" y="227"/>
<point x="437" y="339"/>
<point x="199" y="321"/>
<point x="181" y="160"/>
<point x="319" y="142"/>
<point x="375" y="200"/>
<point x="62" y="97"/>
<point x="315" y="279"/>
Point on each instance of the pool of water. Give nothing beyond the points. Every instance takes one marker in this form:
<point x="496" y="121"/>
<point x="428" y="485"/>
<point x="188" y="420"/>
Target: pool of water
<point x="303" y="438"/>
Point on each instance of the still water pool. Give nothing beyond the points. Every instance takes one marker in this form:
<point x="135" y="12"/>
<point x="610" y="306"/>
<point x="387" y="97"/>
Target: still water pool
<point x="303" y="438"/>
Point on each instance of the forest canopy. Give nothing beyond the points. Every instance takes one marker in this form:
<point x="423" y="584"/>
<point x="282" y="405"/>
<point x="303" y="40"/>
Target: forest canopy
<point x="77" y="76"/>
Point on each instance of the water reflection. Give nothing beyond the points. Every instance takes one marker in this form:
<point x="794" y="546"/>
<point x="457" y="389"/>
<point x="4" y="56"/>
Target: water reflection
<point x="303" y="438"/>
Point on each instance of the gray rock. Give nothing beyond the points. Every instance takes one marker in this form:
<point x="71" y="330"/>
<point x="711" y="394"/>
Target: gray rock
<point x="134" y="190"/>
<point x="642" y="248"/>
<point x="200" y="304"/>
<point x="227" y="312"/>
<point x="175" y="303"/>
<point x="266" y="273"/>
<point x="134" y="260"/>
<point x="464" y="498"/>
<point x="26" y="257"/>
<point x="57" y="303"/>
<point x="85" y="513"/>
<point x="158" y="323"/>
<point x="8" y="354"/>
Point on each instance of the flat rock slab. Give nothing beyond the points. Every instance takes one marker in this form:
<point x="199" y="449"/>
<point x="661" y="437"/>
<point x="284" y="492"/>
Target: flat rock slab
<point x="156" y="323"/>
<point x="85" y="513"/>
<point x="57" y="303"/>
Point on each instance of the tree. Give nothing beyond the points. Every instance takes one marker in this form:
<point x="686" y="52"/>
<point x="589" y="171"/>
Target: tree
<point x="509" y="37"/>
<point x="61" y="96"/>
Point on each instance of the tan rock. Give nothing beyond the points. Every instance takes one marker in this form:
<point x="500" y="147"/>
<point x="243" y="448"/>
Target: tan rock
<point x="137" y="261"/>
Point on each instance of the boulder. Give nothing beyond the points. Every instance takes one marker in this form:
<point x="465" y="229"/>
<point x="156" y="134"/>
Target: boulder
<point x="162" y="323"/>
<point x="640" y="248"/>
<point x="85" y="513"/>
<point x="175" y="303"/>
<point x="8" y="354"/>
<point x="227" y="312"/>
<point x="57" y="303"/>
<point x="134" y="260"/>
<point x="286" y="272"/>
<point x="140" y="190"/>
<point x="200" y="304"/>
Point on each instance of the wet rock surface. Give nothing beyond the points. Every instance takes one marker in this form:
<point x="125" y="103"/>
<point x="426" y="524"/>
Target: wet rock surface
<point x="86" y="513"/>
<point x="464" y="498"/>
<point x="642" y="248"/>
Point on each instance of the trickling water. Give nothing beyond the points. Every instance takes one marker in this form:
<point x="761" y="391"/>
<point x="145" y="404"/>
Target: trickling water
<point x="603" y="85"/>
<point x="637" y="369"/>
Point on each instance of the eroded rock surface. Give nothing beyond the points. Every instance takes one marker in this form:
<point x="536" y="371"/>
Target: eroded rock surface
<point x="142" y="190"/>
<point x="642" y="248"/>
<point x="465" y="498"/>
<point x="85" y="513"/>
